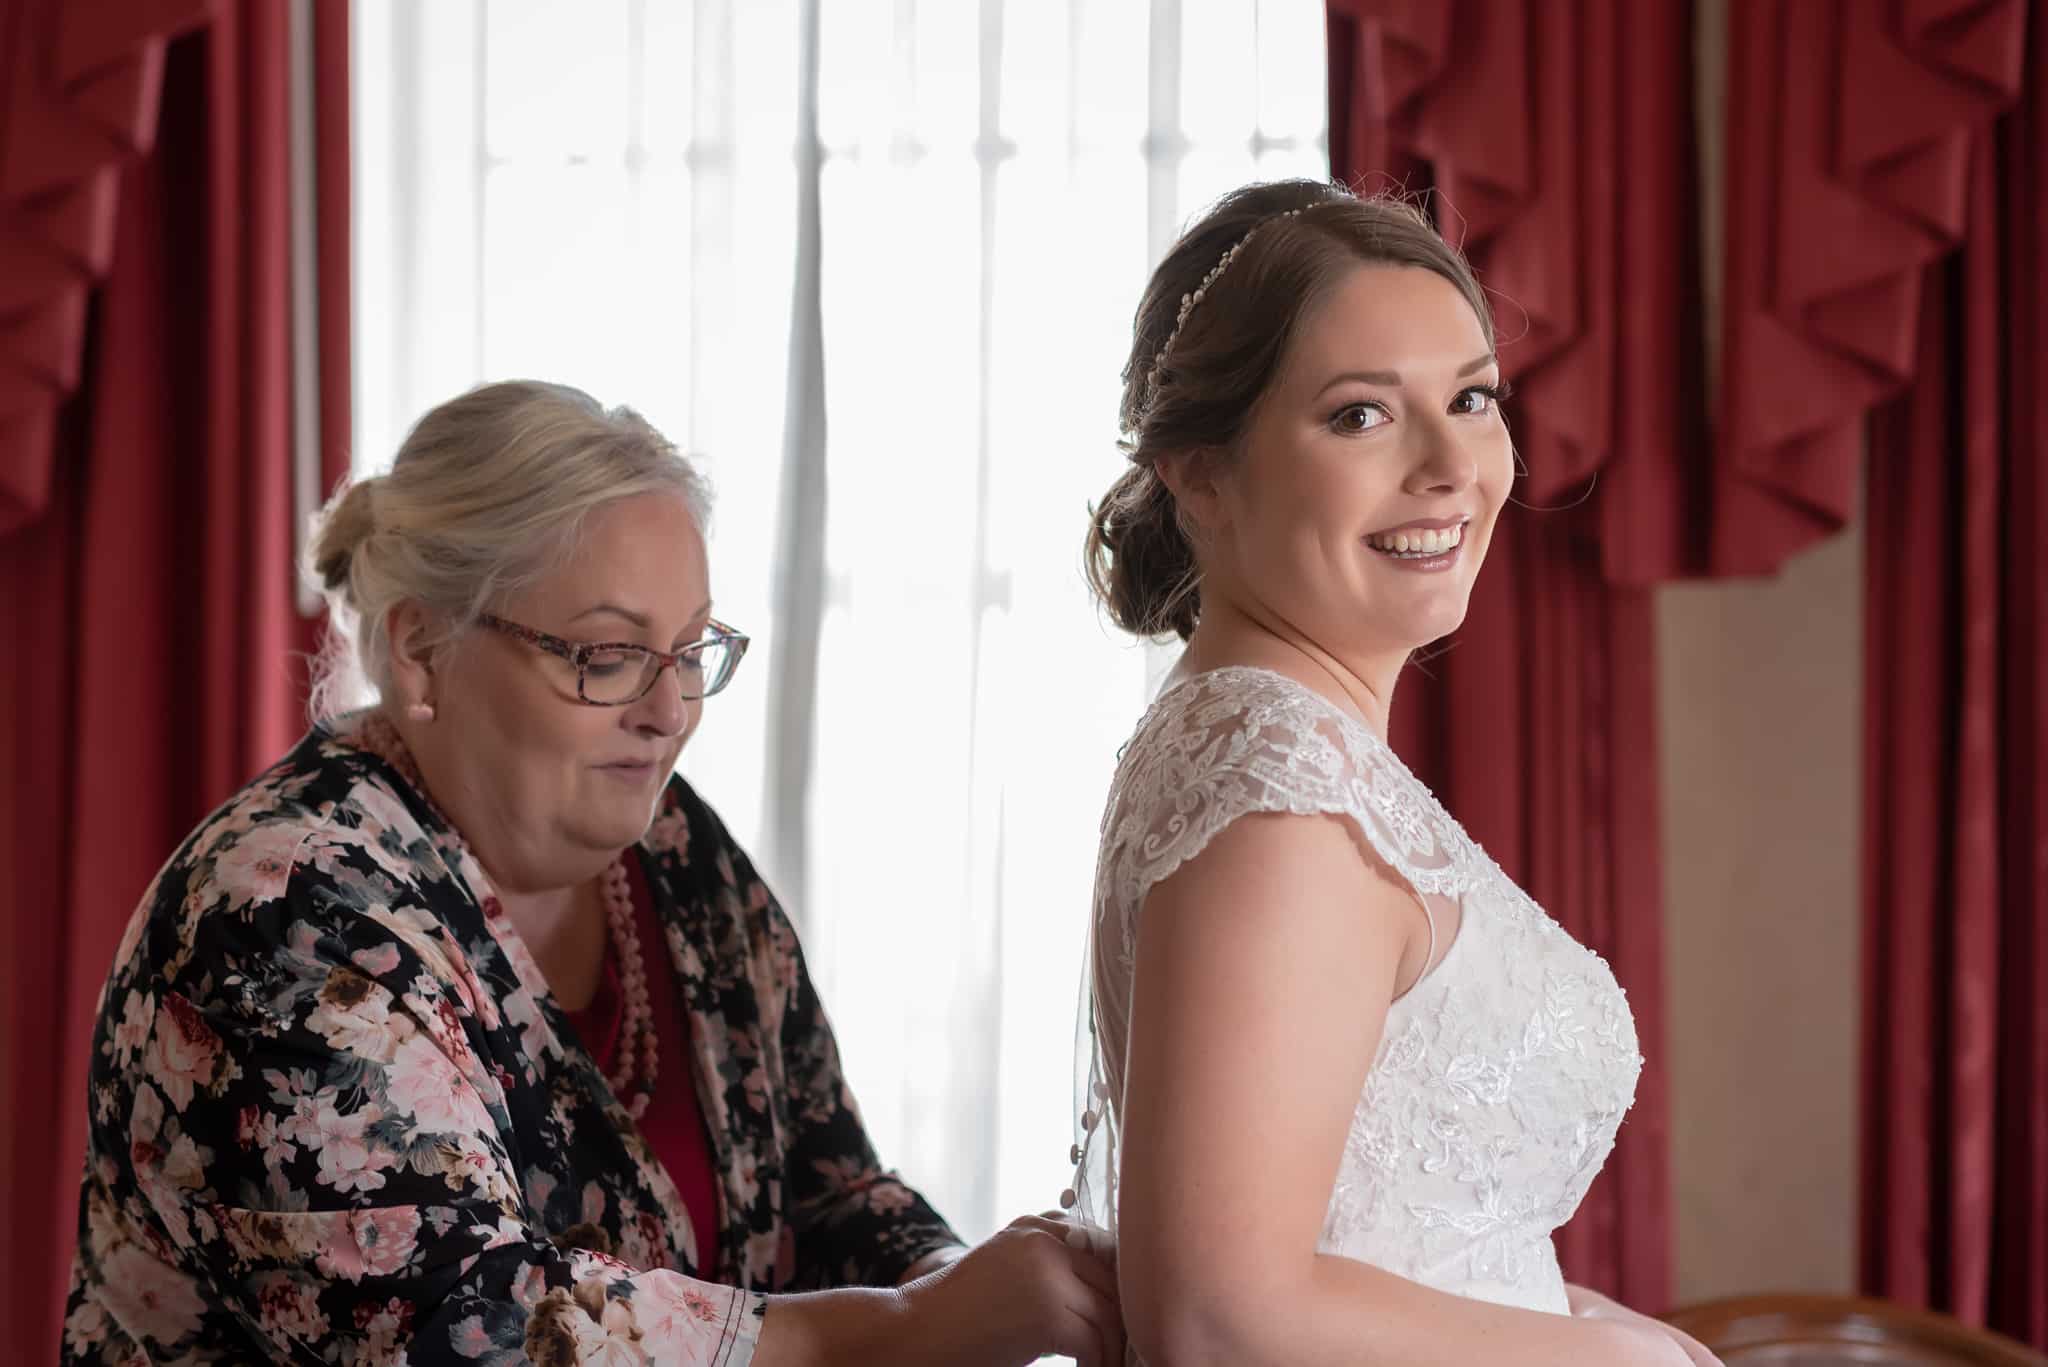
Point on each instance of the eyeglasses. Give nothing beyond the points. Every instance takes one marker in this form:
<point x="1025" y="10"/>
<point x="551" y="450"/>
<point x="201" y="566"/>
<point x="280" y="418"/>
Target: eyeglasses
<point x="614" y="673"/>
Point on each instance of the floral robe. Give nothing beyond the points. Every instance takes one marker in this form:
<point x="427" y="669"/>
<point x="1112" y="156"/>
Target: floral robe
<point x="336" y="1116"/>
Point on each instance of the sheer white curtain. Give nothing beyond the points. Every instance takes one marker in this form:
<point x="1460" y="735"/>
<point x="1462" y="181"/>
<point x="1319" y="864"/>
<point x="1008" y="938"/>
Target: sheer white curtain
<point x="957" y="202"/>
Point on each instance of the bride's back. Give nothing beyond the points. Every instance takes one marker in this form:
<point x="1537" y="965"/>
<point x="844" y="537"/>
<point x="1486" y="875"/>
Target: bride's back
<point x="1501" y="1076"/>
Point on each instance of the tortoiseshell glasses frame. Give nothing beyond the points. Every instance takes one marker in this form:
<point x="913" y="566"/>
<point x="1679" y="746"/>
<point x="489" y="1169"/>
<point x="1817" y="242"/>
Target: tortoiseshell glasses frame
<point x="618" y="673"/>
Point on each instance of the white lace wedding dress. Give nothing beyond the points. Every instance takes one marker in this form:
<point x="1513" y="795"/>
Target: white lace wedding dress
<point x="1502" y="1075"/>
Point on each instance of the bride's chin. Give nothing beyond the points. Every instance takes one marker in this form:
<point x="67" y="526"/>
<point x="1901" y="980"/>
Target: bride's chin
<point x="1420" y="630"/>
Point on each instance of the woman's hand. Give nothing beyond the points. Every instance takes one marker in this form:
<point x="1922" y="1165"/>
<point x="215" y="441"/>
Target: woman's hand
<point x="1045" y="1285"/>
<point x="1592" y="1305"/>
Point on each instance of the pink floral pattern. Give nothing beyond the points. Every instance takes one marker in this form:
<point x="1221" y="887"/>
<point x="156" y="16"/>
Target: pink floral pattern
<point x="337" y="1117"/>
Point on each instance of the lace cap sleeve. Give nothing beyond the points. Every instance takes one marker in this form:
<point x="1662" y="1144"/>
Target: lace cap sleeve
<point x="1224" y="745"/>
<point x="1240" y="741"/>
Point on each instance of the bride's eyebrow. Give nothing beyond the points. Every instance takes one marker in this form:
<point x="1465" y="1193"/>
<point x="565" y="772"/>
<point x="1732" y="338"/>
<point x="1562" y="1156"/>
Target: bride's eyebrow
<point x="1391" y="379"/>
<point x="1386" y="379"/>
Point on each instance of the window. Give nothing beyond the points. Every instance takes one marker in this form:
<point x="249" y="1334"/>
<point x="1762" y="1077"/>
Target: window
<point x="611" y="195"/>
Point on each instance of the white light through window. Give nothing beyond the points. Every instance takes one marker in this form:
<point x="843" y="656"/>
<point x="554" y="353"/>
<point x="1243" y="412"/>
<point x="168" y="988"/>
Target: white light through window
<point x="605" y="194"/>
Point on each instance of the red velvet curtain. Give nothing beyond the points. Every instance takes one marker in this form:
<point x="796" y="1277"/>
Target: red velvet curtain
<point x="1556" y="141"/>
<point x="1884" y="292"/>
<point x="148" y="572"/>
<point x="1955" y="1083"/>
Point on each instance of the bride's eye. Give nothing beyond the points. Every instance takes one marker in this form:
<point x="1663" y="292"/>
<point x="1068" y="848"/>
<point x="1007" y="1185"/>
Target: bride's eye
<point x="1480" y="399"/>
<point x="1359" y="417"/>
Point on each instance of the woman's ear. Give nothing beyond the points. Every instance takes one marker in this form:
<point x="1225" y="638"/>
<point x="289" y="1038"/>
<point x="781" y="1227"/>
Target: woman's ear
<point x="1191" y="478"/>
<point x="412" y="661"/>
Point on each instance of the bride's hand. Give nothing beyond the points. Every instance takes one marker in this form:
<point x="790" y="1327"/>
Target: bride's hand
<point x="1591" y="1304"/>
<point x="1044" y="1285"/>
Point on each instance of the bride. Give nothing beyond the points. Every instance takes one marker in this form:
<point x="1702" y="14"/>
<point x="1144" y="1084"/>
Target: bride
<point x="1346" y="1077"/>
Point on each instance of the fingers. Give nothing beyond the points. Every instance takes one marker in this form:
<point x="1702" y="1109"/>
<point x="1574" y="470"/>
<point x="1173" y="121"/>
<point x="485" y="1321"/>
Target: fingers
<point x="1091" y="1251"/>
<point x="1076" y="1234"/>
<point x="1097" y="1272"/>
<point x="1089" y="1325"/>
<point x="1113" y="1336"/>
<point x="1093" y="1239"/>
<point x="1094" y="1296"/>
<point x="1089" y="1329"/>
<point x="1051" y="1222"/>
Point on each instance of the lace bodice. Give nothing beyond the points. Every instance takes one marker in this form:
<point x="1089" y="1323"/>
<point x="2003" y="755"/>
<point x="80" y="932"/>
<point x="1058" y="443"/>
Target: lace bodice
<point x="1502" y="1075"/>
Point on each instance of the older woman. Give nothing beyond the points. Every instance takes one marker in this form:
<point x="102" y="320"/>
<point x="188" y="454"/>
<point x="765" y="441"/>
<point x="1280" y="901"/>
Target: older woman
<point x="466" y="1033"/>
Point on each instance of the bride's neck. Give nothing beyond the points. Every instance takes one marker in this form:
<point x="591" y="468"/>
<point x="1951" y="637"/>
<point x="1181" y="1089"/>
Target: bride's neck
<point x="1229" y="635"/>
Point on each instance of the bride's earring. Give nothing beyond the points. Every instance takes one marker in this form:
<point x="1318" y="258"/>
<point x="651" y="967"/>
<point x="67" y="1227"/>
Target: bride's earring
<point x="420" y="711"/>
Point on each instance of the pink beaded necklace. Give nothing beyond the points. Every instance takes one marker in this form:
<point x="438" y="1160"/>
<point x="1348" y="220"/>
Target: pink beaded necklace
<point x="379" y="737"/>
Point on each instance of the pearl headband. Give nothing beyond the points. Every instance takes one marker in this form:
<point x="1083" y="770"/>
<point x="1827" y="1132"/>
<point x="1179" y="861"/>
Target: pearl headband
<point x="1187" y="306"/>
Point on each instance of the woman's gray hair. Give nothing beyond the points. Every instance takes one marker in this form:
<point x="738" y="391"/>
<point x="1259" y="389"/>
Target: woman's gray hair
<point x="488" y="493"/>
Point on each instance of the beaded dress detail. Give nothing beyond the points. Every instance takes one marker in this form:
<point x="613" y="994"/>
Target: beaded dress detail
<point x="1502" y="1075"/>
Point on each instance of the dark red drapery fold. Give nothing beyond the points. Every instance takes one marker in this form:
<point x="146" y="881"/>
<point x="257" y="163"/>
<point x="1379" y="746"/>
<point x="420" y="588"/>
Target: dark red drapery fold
<point x="155" y="643"/>
<point x="1557" y="143"/>
<point x="1955" y="1082"/>
<point x="1849" y="130"/>
<point x="79" y="89"/>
